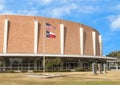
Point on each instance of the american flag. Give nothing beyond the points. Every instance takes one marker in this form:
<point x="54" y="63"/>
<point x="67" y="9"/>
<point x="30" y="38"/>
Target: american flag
<point x="49" y="26"/>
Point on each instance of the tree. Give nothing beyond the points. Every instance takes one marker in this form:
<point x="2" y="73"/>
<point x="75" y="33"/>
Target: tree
<point x="114" y="54"/>
<point x="53" y="62"/>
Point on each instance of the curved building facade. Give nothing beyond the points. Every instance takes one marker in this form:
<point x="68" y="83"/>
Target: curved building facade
<point x="31" y="34"/>
<point x="34" y="36"/>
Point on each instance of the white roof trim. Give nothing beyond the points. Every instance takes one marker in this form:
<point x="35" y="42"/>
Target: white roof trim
<point x="56" y="55"/>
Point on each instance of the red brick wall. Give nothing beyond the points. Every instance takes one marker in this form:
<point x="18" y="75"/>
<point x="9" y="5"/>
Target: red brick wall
<point x="21" y="36"/>
<point x="1" y="33"/>
<point x="88" y="41"/>
<point x="72" y="37"/>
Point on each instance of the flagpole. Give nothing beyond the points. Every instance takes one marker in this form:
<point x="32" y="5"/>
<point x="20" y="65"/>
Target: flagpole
<point x="44" y="35"/>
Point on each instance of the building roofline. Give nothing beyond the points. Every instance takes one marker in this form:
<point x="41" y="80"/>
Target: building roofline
<point x="57" y="55"/>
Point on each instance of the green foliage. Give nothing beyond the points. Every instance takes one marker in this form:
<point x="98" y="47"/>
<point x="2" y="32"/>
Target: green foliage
<point x="79" y="69"/>
<point x="55" y="62"/>
<point x="114" y="54"/>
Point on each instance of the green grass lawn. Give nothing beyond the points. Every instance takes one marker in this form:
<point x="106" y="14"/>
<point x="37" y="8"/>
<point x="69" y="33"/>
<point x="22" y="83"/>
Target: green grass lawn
<point x="68" y="78"/>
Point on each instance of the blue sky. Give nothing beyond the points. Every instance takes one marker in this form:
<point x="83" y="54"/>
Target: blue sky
<point x="103" y="15"/>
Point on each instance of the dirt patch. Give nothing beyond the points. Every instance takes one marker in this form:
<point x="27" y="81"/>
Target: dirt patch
<point x="87" y="76"/>
<point x="45" y="75"/>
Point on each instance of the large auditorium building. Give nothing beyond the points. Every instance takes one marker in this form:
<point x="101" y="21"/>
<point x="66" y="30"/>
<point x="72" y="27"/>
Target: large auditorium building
<point x="26" y="41"/>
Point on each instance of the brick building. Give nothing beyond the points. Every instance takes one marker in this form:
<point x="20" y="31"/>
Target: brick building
<point x="26" y="40"/>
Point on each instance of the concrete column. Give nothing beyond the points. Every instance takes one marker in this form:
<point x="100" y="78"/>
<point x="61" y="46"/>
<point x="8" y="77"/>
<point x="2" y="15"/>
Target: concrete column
<point x="35" y="37"/>
<point x="18" y="66"/>
<point x="80" y="63"/>
<point x="108" y="66"/>
<point x="35" y="64"/>
<point x="81" y="41"/>
<point x="100" y="43"/>
<point x="20" y="63"/>
<point x="104" y="68"/>
<point x="62" y="38"/>
<point x="0" y="64"/>
<point x="116" y="64"/>
<point x="62" y="66"/>
<point x="94" y="68"/>
<point x="5" y="36"/>
<point x="100" y="68"/>
<point x="10" y="59"/>
<point x="94" y="43"/>
<point x="29" y="68"/>
<point x="4" y="66"/>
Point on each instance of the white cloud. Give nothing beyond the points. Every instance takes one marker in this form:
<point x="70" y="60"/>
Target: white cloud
<point x="7" y="12"/>
<point x="2" y="5"/>
<point x="50" y="8"/>
<point x="44" y="2"/>
<point x="87" y="9"/>
<point x="69" y="9"/>
<point x="3" y="9"/>
<point x="53" y="2"/>
<point x="65" y="7"/>
<point x="116" y="7"/>
<point x="59" y="11"/>
<point x="115" y="22"/>
<point x="28" y="12"/>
